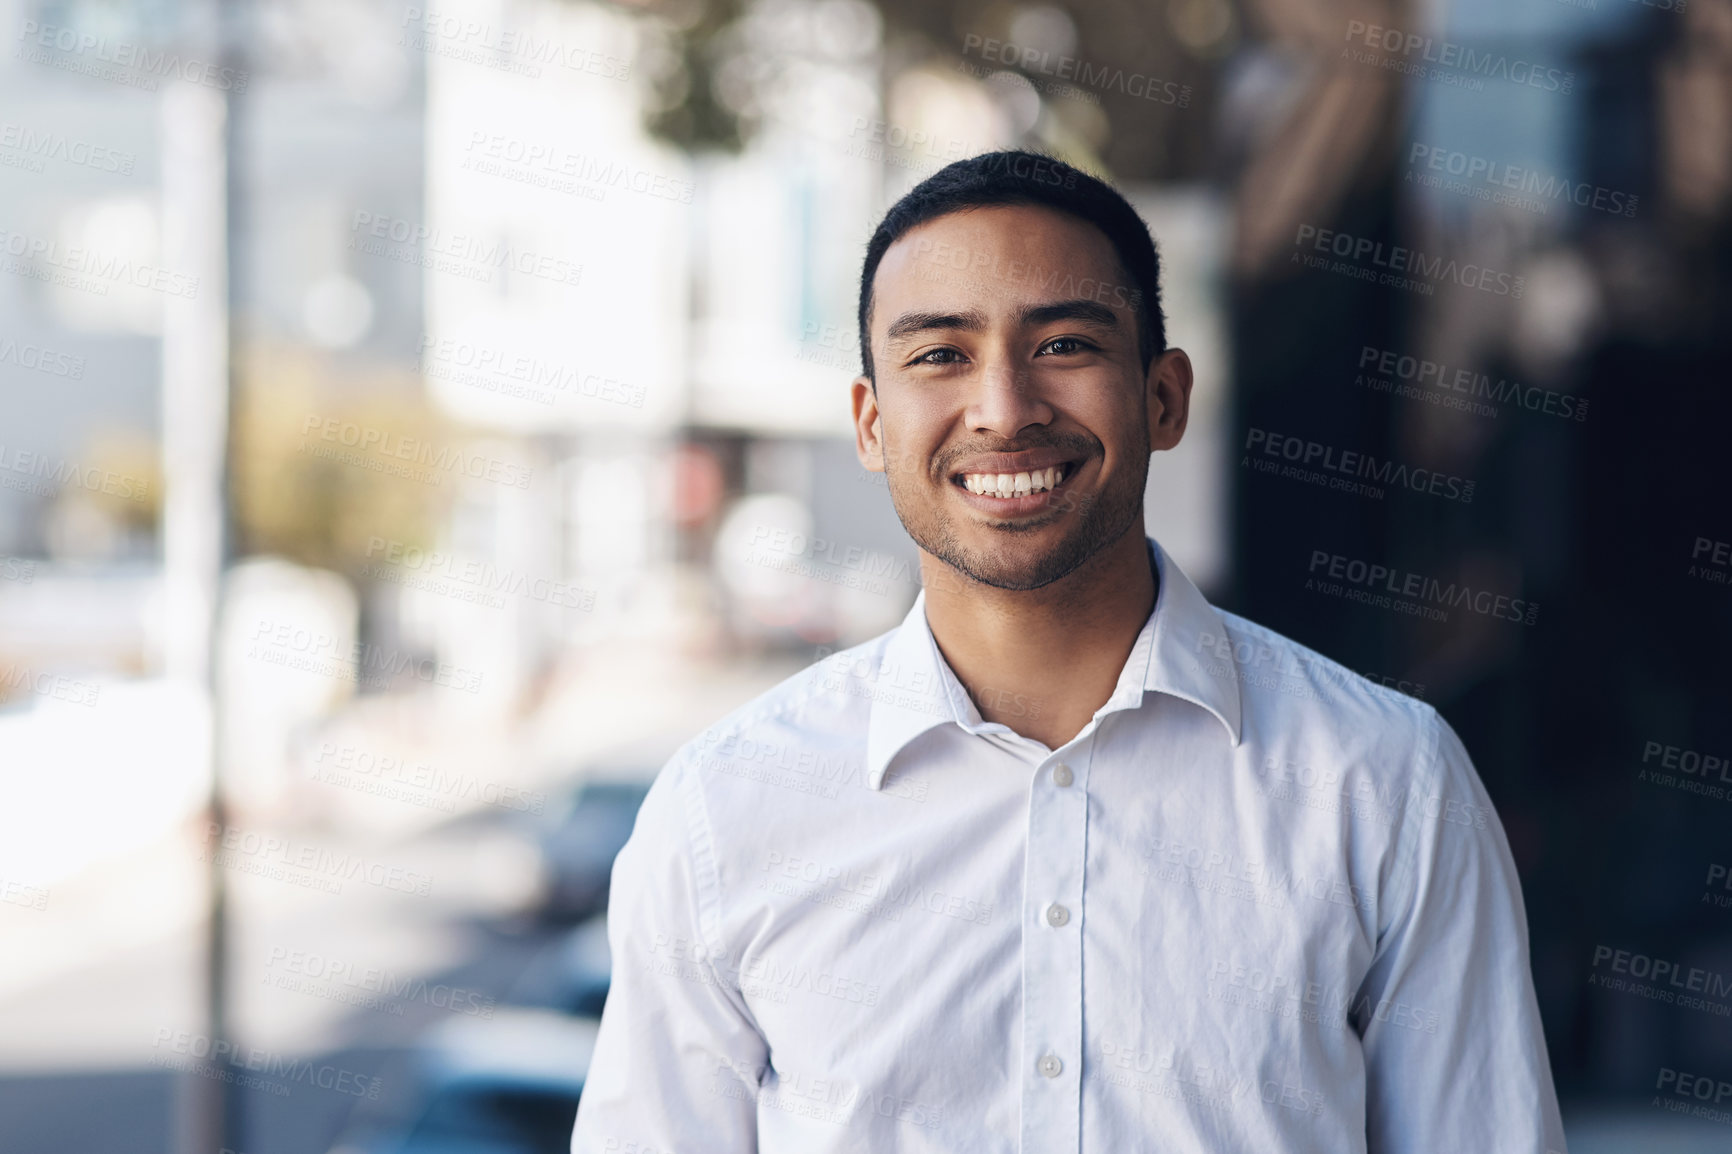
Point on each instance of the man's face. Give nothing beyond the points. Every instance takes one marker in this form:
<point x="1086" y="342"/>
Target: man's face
<point x="1012" y="415"/>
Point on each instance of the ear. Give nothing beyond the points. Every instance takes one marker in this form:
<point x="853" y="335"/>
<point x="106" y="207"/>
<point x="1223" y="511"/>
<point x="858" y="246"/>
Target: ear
<point x="1168" y="388"/>
<point x="868" y="433"/>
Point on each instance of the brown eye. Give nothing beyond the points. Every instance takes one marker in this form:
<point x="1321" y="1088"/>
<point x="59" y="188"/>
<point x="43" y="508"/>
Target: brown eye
<point x="1076" y="344"/>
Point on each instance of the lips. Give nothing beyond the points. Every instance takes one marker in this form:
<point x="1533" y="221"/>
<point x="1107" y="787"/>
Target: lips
<point x="1026" y="461"/>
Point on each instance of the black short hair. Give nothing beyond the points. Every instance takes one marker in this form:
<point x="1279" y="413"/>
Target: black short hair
<point x="1020" y="177"/>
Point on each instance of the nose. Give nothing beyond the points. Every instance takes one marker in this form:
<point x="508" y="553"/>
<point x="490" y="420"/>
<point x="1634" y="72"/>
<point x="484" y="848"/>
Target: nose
<point x="1005" y="398"/>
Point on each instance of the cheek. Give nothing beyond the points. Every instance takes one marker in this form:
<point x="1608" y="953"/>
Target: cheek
<point x="911" y="439"/>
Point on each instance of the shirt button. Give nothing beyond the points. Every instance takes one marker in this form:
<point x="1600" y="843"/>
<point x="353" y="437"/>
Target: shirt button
<point x="1061" y="774"/>
<point x="1051" y="1066"/>
<point x="1057" y="915"/>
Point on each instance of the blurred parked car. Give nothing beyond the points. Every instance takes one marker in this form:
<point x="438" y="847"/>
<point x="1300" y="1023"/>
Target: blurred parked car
<point x="571" y="974"/>
<point x="505" y="1085"/>
<point x="578" y="848"/>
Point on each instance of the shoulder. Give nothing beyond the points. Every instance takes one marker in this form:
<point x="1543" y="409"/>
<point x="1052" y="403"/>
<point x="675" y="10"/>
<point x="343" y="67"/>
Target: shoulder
<point x="784" y="761"/>
<point x="1293" y="697"/>
<point x="804" y="735"/>
<point x="819" y="704"/>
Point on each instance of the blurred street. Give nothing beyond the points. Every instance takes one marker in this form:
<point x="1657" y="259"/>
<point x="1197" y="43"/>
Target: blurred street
<point x="98" y="988"/>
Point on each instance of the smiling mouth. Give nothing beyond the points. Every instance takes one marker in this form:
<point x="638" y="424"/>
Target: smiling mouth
<point x="1009" y="485"/>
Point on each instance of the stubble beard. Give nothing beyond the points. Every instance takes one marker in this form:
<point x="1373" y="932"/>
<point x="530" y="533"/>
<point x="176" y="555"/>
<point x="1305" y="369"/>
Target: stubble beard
<point x="1100" y="520"/>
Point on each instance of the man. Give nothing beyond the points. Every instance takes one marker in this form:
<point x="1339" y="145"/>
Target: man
<point x="1071" y="860"/>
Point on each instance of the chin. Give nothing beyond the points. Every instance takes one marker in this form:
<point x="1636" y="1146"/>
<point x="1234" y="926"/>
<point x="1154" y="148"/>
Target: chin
<point x="1008" y="557"/>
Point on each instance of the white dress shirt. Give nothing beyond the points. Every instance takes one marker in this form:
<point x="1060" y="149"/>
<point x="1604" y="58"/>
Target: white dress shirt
<point x="1257" y="904"/>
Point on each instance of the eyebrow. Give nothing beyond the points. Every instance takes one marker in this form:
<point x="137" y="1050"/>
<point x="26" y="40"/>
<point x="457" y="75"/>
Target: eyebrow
<point x="973" y="320"/>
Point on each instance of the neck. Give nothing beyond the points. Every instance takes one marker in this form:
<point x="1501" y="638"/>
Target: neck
<point x="1043" y="661"/>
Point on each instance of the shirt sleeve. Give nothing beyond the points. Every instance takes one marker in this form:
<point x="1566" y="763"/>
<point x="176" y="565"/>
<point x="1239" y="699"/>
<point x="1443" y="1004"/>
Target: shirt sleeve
<point x="1455" y="1058"/>
<point x="678" y="1058"/>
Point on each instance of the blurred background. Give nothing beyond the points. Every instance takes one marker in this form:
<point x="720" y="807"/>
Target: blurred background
<point x="417" y="421"/>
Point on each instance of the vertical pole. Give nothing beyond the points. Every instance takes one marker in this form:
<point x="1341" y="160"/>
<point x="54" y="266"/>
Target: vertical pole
<point x="199" y="231"/>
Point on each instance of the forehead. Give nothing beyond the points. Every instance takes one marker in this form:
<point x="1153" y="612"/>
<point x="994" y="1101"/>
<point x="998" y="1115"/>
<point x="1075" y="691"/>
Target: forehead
<point x="992" y="259"/>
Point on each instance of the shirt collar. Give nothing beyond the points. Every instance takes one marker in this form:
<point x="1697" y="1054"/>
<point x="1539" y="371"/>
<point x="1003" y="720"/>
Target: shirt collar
<point x="915" y="689"/>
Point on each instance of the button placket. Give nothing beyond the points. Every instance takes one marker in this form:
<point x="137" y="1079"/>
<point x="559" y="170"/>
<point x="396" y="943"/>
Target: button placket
<point x="1052" y="954"/>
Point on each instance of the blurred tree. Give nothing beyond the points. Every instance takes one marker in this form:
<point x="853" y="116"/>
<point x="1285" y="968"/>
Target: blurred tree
<point x="317" y="500"/>
<point x="705" y="54"/>
<point x="682" y="105"/>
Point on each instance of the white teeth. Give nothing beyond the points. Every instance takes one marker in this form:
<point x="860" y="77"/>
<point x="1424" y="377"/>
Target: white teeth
<point x="1014" y="484"/>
